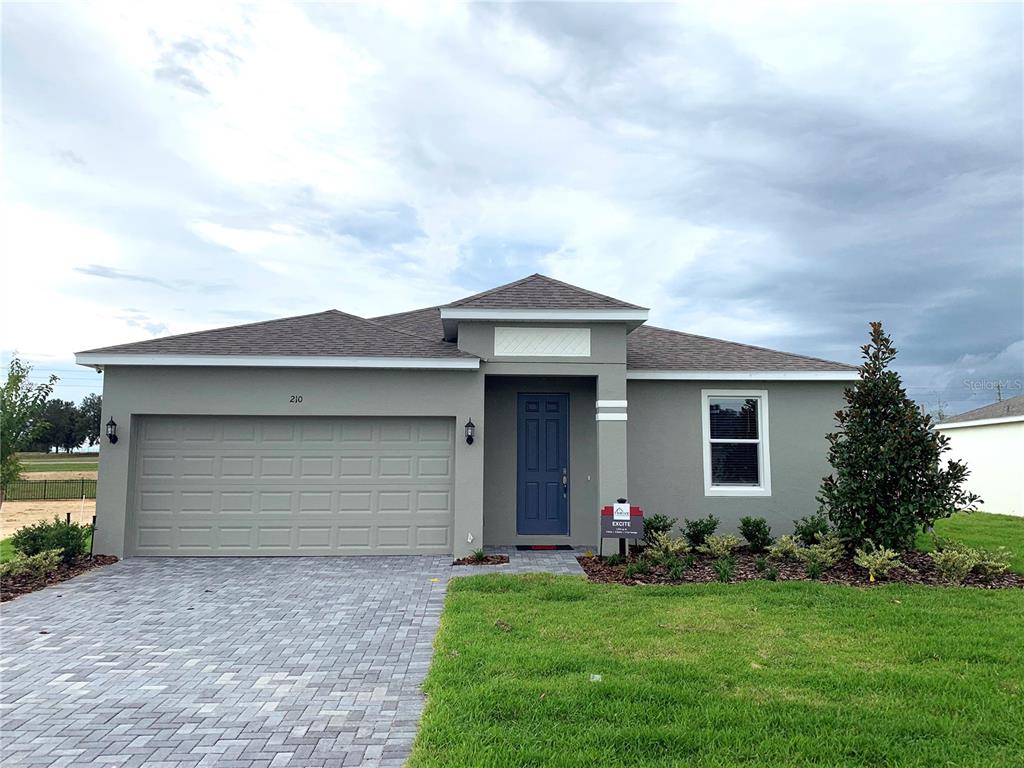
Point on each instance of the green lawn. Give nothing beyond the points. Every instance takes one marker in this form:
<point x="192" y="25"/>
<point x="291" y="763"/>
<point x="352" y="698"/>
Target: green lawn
<point x="981" y="529"/>
<point x="28" y="467"/>
<point x="753" y="674"/>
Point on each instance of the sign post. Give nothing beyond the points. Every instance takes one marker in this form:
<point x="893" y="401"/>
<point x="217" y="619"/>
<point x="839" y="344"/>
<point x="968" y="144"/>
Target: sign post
<point x="621" y="521"/>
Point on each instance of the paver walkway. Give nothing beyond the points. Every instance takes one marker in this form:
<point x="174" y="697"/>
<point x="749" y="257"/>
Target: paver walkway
<point x="253" y="663"/>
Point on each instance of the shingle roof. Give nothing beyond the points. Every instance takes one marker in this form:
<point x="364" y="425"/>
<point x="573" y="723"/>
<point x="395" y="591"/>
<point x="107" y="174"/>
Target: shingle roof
<point x="324" y="334"/>
<point x="540" y="292"/>
<point x="652" y="348"/>
<point x="1012" y="407"/>
<point x="420" y="322"/>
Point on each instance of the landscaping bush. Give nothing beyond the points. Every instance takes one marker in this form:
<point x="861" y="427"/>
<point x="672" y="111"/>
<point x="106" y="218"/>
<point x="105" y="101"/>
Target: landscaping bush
<point x="664" y="548"/>
<point x="771" y="574"/>
<point x="615" y="559"/>
<point x="889" y="476"/>
<point x="808" y="529"/>
<point x="637" y="568"/>
<point x="819" y="557"/>
<point x="784" y="548"/>
<point x="656" y="524"/>
<point x="757" y="532"/>
<point x="956" y="561"/>
<point x="70" y="538"/>
<point x="697" y="531"/>
<point x="677" y="569"/>
<point x="877" y="561"/>
<point x="39" y="565"/>
<point x="725" y="568"/>
<point x="720" y="546"/>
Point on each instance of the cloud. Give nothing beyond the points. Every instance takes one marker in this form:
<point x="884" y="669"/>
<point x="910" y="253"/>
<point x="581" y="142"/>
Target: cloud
<point x="779" y="177"/>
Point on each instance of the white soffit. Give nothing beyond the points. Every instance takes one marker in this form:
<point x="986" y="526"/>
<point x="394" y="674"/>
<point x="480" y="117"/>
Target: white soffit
<point x="99" y="359"/>
<point x="744" y="375"/>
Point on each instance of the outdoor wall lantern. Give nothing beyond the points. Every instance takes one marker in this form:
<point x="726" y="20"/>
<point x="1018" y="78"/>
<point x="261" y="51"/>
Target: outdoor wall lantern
<point x="470" y="432"/>
<point x="112" y="431"/>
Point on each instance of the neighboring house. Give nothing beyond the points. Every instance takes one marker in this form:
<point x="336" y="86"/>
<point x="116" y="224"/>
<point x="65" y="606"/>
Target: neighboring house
<point x="334" y="434"/>
<point x="990" y="440"/>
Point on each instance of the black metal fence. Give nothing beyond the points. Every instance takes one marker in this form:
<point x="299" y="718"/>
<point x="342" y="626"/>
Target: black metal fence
<point x="49" y="490"/>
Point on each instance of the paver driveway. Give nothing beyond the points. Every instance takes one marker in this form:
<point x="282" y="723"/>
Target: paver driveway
<point x="227" y="662"/>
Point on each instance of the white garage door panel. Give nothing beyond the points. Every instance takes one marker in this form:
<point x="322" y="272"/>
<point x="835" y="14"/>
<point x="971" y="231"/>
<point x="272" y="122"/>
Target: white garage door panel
<point x="238" y="485"/>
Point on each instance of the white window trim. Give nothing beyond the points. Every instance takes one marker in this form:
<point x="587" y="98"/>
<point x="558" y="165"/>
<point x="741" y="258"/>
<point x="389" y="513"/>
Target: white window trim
<point x="764" y="459"/>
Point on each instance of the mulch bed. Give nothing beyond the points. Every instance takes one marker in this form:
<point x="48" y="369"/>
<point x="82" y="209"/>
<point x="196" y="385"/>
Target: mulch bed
<point x="917" y="568"/>
<point x="487" y="560"/>
<point x="16" y="586"/>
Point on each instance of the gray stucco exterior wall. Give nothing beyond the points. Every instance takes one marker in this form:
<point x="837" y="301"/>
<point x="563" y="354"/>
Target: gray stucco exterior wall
<point x="133" y="391"/>
<point x="500" y="459"/>
<point x="665" y="449"/>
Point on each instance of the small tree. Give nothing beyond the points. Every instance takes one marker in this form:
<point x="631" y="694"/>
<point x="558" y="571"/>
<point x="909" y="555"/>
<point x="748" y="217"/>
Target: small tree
<point x="888" y="477"/>
<point x="21" y="405"/>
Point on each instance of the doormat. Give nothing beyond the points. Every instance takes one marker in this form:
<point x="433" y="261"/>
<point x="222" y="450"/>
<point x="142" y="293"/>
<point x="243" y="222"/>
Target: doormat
<point x="541" y="547"/>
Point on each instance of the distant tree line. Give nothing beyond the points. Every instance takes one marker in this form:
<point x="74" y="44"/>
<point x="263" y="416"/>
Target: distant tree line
<point x="66" y="426"/>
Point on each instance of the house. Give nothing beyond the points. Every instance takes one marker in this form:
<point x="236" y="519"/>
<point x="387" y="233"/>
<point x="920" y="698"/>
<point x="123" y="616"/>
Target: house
<point x="991" y="440"/>
<point x="507" y="417"/>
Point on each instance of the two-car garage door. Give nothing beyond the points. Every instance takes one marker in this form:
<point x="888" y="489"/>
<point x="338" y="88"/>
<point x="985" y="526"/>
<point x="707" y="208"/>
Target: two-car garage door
<point x="239" y="485"/>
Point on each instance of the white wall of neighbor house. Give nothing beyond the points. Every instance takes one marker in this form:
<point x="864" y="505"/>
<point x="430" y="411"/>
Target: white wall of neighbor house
<point x="993" y="454"/>
<point x="666" y="449"/>
<point x="130" y="392"/>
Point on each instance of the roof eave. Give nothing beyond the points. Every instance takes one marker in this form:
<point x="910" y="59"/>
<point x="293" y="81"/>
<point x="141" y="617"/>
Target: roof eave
<point x="980" y="422"/>
<point x="747" y="375"/>
<point x="99" y="360"/>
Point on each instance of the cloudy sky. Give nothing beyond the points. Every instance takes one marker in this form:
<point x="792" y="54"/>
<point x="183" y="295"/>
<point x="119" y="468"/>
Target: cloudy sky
<point x="775" y="176"/>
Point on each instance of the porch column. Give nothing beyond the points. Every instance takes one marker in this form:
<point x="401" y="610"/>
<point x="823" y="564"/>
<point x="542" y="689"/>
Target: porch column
<point x="611" y="440"/>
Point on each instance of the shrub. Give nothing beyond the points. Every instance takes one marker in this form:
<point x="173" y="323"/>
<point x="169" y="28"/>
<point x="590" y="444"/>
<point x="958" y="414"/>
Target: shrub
<point x="725" y="568"/>
<point x="697" y="531"/>
<point x="637" y="568"/>
<point x="760" y="564"/>
<point x="69" y="538"/>
<point x="772" y="574"/>
<point x="656" y="524"/>
<point x="757" y="532"/>
<point x="720" y="546"/>
<point x="784" y="548"/>
<point x="889" y="476"/>
<point x="956" y="561"/>
<point x="39" y="565"/>
<point x="615" y="559"/>
<point x="992" y="564"/>
<point x="808" y="529"/>
<point x="677" y="569"/>
<point x="478" y="556"/>
<point x="877" y="561"/>
<point x="664" y="548"/>
<point x="818" y="558"/>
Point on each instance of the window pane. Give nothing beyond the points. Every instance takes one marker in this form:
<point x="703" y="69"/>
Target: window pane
<point x="734" y="464"/>
<point x="733" y="418"/>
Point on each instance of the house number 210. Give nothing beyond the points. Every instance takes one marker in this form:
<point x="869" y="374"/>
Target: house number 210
<point x="295" y="399"/>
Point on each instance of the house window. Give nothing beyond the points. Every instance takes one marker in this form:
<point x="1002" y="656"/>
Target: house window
<point x="735" y="426"/>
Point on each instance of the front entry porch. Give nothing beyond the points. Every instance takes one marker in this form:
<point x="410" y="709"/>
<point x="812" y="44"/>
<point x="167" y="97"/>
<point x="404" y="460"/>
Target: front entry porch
<point x="542" y="460"/>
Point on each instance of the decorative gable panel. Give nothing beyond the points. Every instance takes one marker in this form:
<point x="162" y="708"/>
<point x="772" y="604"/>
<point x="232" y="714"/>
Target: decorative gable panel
<point x="524" y="341"/>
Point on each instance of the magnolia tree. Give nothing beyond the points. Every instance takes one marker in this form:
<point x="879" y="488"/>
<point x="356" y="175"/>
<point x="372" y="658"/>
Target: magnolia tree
<point x="21" y="408"/>
<point x="889" y="479"/>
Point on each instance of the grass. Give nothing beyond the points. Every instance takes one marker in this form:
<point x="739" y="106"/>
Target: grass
<point x="759" y="673"/>
<point x="28" y="467"/>
<point x="983" y="530"/>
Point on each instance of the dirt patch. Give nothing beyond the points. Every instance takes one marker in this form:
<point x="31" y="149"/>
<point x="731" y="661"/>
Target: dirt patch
<point x="16" y="586"/>
<point x="486" y="560"/>
<point x="917" y="568"/>
<point x="85" y="474"/>
<point x="18" y="514"/>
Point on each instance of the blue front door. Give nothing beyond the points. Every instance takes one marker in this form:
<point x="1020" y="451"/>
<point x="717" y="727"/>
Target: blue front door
<point x="542" y="504"/>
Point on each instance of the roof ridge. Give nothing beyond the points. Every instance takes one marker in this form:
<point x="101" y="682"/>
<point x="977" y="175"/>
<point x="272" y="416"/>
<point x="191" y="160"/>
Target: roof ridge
<point x="748" y="346"/>
<point x="547" y="279"/>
